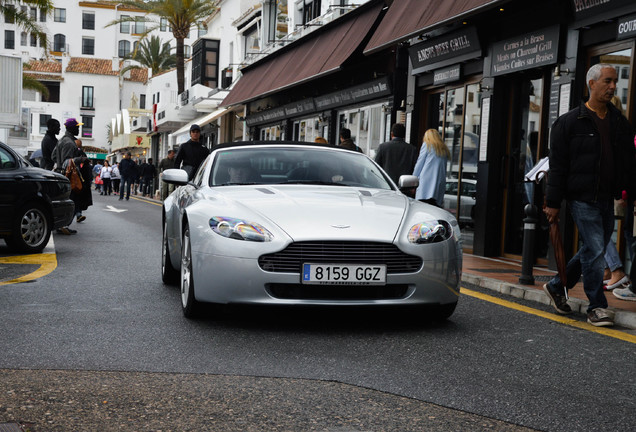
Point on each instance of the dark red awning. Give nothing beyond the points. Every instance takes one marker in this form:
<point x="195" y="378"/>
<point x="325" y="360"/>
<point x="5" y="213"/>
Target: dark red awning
<point x="408" y="18"/>
<point x="315" y="55"/>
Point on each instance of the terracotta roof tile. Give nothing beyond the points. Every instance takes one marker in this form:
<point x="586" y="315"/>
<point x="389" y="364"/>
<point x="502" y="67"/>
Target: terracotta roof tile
<point x="138" y="75"/>
<point x="43" y="66"/>
<point x="91" y="66"/>
<point x="44" y="77"/>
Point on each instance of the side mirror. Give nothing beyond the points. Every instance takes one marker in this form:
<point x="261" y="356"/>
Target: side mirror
<point x="175" y="176"/>
<point x="408" y="185"/>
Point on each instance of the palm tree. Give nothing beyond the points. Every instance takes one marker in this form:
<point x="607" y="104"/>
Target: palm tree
<point x="151" y="53"/>
<point x="181" y="16"/>
<point x="23" y="20"/>
<point x="14" y="14"/>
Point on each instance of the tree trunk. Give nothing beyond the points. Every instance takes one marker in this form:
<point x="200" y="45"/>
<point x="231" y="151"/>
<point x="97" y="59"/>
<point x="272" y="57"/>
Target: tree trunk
<point x="180" y="66"/>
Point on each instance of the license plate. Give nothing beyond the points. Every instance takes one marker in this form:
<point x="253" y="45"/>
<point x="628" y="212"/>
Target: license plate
<point x="344" y="274"/>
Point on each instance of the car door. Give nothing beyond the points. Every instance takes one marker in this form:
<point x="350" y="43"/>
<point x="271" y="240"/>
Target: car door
<point x="12" y="186"/>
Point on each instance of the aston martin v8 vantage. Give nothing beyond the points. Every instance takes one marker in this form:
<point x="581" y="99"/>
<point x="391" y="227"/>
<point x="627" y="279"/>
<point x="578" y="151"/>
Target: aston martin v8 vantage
<point x="304" y="224"/>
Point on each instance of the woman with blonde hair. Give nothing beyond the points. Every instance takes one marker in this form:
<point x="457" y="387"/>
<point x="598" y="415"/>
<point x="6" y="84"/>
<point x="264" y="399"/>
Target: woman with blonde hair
<point x="431" y="169"/>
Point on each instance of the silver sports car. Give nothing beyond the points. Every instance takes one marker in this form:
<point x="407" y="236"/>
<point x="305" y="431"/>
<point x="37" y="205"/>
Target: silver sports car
<point x="305" y="224"/>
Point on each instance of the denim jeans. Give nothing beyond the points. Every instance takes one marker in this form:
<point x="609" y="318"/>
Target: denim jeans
<point x="125" y="184"/>
<point x="612" y="258"/>
<point x="595" y="222"/>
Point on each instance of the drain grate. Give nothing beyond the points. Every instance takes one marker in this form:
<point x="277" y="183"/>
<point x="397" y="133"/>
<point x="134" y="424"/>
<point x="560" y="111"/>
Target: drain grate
<point x="10" y="427"/>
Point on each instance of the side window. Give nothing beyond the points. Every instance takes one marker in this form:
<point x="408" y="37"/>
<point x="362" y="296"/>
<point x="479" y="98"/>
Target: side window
<point x="7" y="161"/>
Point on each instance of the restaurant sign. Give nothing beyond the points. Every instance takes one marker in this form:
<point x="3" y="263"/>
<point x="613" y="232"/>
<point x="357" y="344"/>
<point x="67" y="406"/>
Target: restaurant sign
<point x="351" y="95"/>
<point x="445" y="50"/>
<point x="527" y="51"/>
<point x="597" y="10"/>
<point x="447" y="75"/>
<point x="626" y="27"/>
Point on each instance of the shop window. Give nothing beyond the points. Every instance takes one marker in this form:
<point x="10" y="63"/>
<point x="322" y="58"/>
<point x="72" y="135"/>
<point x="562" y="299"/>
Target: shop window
<point x="621" y="60"/>
<point x="59" y="15"/>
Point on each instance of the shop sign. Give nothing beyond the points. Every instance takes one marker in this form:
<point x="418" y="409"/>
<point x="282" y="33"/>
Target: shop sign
<point x="298" y="108"/>
<point x="626" y="27"/>
<point x="269" y="116"/>
<point x="360" y="93"/>
<point x="597" y="9"/>
<point x="446" y="75"/>
<point x="528" y="51"/>
<point x="100" y="156"/>
<point x="445" y="50"/>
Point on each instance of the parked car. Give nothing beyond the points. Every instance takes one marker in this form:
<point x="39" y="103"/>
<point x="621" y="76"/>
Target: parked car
<point x="33" y="202"/>
<point x="303" y="224"/>
<point x="466" y="216"/>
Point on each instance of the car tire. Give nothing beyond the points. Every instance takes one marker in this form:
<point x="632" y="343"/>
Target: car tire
<point x="191" y="307"/>
<point x="31" y="229"/>
<point x="169" y="275"/>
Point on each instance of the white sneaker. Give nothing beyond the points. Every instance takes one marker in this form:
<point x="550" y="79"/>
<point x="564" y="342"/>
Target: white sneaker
<point x="625" y="293"/>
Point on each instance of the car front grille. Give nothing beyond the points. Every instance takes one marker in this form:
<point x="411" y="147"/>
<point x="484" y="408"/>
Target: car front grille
<point x="292" y="258"/>
<point x="337" y="292"/>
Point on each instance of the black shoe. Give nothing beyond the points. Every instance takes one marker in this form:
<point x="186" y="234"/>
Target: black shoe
<point x="599" y="318"/>
<point x="72" y="231"/>
<point x="64" y="230"/>
<point x="120" y="198"/>
<point x="81" y="218"/>
<point x="559" y="301"/>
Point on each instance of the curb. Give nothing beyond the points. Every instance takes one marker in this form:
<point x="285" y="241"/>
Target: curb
<point x="621" y="317"/>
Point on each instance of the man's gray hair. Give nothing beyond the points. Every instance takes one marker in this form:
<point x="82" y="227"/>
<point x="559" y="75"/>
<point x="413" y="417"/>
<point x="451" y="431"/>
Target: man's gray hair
<point x="594" y="73"/>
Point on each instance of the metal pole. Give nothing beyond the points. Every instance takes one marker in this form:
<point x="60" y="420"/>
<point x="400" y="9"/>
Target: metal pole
<point x="527" y="260"/>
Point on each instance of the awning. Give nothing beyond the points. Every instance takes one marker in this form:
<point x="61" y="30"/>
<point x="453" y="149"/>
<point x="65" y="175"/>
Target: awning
<point x="201" y="121"/>
<point x="408" y="18"/>
<point x="315" y="55"/>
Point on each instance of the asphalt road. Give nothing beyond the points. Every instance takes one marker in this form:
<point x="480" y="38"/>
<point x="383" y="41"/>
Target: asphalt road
<point x="101" y="344"/>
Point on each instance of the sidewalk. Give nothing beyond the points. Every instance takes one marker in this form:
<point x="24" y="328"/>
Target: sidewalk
<point x="502" y="275"/>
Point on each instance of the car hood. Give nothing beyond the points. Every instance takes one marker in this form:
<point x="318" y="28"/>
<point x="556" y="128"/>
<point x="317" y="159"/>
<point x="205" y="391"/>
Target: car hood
<point x="326" y="212"/>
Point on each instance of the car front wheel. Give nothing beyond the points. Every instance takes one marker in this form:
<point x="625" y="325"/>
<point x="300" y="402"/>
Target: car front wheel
<point x="191" y="307"/>
<point x="169" y="274"/>
<point x="31" y="230"/>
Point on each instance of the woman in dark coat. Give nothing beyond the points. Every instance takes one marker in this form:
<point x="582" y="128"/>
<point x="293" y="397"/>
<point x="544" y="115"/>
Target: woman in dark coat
<point x="84" y="198"/>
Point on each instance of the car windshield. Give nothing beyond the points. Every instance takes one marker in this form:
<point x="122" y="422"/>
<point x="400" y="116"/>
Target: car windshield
<point x="277" y="165"/>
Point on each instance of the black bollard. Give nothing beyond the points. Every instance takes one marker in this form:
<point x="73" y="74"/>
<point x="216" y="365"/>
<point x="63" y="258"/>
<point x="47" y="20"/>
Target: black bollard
<point x="527" y="259"/>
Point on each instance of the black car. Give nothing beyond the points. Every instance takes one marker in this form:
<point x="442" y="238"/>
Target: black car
<point x="33" y="202"/>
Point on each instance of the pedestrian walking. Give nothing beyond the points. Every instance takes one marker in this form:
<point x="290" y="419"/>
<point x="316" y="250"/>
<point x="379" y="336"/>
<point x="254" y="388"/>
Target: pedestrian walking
<point x="148" y="172"/>
<point x="127" y="171"/>
<point x="106" y="174"/>
<point x="591" y="163"/>
<point x="67" y="149"/>
<point x="166" y="163"/>
<point x="49" y="142"/>
<point x="347" y="142"/>
<point x="115" y="178"/>
<point x="396" y="157"/>
<point x="430" y="168"/>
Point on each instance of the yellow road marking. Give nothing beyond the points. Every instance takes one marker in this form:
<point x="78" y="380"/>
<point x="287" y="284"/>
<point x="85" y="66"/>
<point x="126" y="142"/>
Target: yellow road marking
<point x="617" y="334"/>
<point x="149" y="202"/>
<point x="47" y="262"/>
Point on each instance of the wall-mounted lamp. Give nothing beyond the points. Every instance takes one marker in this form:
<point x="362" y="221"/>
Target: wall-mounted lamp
<point x="483" y="88"/>
<point x="558" y="71"/>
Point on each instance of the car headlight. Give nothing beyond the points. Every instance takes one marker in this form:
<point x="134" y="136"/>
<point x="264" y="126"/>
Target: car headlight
<point x="239" y="229"/>
<point x="432" y="231"/>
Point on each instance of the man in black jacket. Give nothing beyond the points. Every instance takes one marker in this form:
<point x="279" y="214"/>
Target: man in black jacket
<point x="128" y="173"/>
<point x="191" y="153"/>
<point x="397" y="157"/>
<point x="49" y="142"/>
<point x="591" y="162"/>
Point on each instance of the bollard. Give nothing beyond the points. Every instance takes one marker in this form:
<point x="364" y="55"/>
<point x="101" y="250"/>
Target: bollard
<point x="527" y="259"/>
